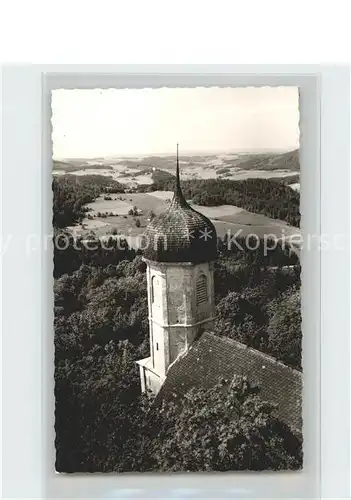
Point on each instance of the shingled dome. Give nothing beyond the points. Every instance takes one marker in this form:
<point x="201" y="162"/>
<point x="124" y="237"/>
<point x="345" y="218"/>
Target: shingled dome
<point x="180" y="234"/>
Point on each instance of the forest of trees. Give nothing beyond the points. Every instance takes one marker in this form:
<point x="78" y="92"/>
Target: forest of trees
<point x="270" y="197"/>
<point x="72" y="192"/>
<point x="102" y="422"/>
<point x="101" y="329"/>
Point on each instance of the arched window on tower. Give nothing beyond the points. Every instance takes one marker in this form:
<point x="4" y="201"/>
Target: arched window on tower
<point x="201" y="290"/>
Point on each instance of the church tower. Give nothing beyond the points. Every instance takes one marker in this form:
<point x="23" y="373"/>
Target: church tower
<point x="179" y="248"/>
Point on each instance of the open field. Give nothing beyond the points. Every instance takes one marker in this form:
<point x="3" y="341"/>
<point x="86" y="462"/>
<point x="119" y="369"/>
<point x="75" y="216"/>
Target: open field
<point x="122" y="203"/>
<point x="134" y="171"/>
<point x="227" y="219"/>
<point x="111" y="216"/>
<point x="158" y="201"/>
<point x="278" y="231"/>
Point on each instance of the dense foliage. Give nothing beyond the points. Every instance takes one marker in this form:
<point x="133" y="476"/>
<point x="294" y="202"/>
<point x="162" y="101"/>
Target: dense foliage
<point x="288" y="179"/>
<point x="266" y="196"/>
<point x="101" y="328"/>
<point x="258" y="313"/>
<point x="72" y="166"/>
<point x="271" y="197"/>
<point x="72" y="192"/>
<point x="228" y="427"/>
<point x="289" y="160"/>
<point x="284" y="327"/>
<point x="71" y="252"/>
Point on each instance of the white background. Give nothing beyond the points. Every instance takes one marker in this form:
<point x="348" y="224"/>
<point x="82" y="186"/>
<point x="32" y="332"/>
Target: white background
<point x="175" y="31"/>
<point x="183" y="32"/>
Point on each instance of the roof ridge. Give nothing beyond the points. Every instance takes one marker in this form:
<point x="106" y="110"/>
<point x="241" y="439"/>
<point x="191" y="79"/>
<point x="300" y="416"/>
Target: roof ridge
<point x="241" y="345"/>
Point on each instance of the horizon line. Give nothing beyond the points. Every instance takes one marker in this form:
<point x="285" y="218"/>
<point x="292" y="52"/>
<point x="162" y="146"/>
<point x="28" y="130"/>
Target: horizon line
<point x="184" y="153"/>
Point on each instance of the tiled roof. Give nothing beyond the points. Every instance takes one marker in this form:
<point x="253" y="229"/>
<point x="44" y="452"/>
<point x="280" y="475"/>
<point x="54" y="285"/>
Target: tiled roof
<point x="180" y="234"/>
<point x="212" y="358"/>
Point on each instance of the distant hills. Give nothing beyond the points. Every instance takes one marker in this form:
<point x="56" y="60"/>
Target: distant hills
<point x="268" y="161"/>
<point x="60" y="165"/>
<point x="200" y="166"/>
<point x="67" y="167"/>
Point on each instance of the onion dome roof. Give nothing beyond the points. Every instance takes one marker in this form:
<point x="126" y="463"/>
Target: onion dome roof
<point x="180" y="233"/>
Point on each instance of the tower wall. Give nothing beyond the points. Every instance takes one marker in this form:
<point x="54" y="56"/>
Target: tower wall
<point x="181" y="304"/>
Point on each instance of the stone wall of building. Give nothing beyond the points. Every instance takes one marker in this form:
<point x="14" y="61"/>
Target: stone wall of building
<point x="179" y="290"/>
<point x="181" y="301"/>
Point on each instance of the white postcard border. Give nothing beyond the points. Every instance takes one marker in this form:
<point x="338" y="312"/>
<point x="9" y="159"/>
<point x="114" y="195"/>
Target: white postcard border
<point x="28" y="449"/>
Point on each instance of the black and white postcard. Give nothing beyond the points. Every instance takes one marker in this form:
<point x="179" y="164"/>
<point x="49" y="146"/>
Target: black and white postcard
<point x="176" y="218"/>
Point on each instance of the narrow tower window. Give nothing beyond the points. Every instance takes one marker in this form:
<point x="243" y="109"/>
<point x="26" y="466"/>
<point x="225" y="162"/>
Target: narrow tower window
<point x="201" y="290"/>
<point x="153" y="289"/>
<point x="156" y="291"/>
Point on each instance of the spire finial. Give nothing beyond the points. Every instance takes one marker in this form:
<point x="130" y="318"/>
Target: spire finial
<point x="177" y="173"/>
<point x="178" y="195"/>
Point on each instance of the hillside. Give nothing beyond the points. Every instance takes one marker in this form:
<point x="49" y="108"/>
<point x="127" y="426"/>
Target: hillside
<point x="60" y="165"/>
<point x="264" y="196"/>
<point x="268" y="161"/>
<point x="66" y="167"/>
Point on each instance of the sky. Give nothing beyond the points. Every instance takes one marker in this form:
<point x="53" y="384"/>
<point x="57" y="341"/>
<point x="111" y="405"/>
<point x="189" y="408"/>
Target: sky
<point x="116" y="122"/>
